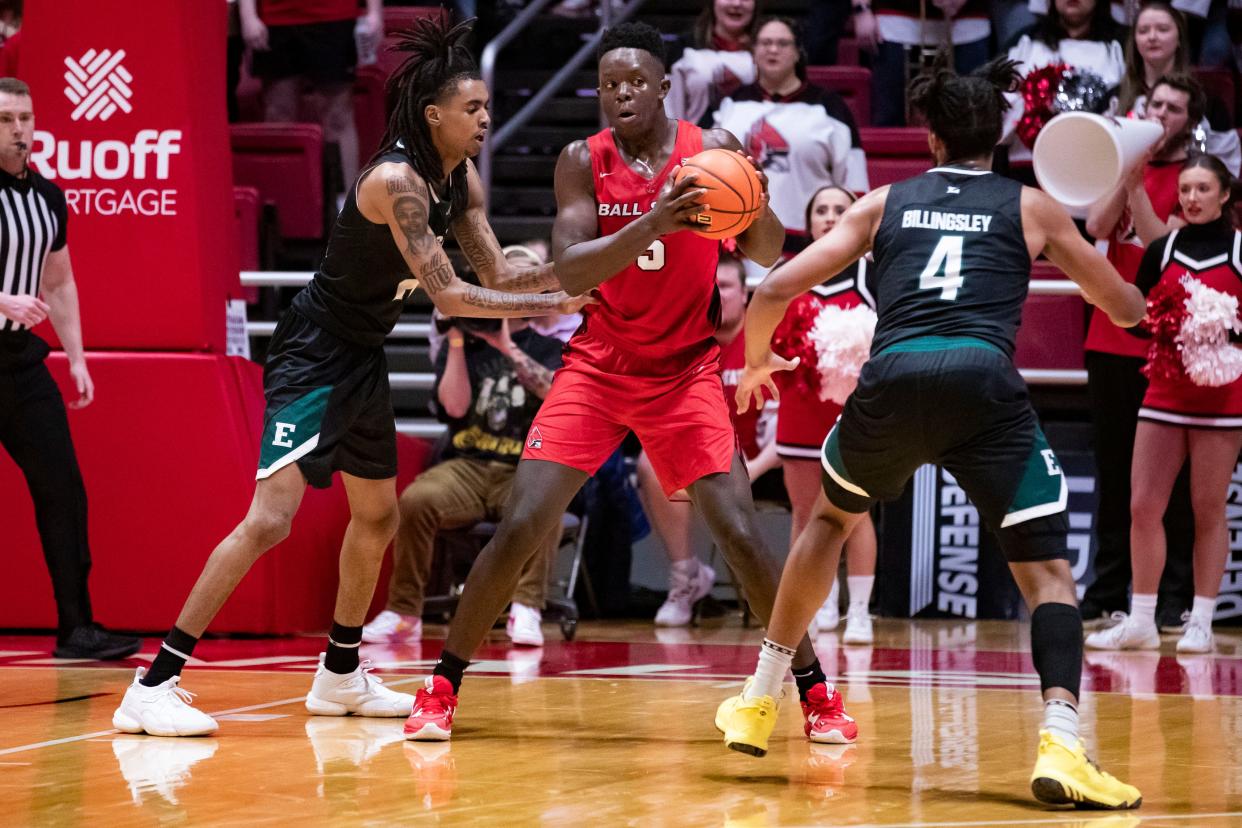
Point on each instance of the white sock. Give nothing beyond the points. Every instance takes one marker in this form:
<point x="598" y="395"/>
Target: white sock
<point x="774" y="662"/>
<point x="1203" y="610"/>
<point x="860" y="591"/>
<point x="1143" y="607"/>
<point x="1061" y="718"/>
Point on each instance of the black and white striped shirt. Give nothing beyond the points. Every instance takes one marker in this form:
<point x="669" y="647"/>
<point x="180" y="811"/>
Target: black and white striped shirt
<point x="33" y="216"/>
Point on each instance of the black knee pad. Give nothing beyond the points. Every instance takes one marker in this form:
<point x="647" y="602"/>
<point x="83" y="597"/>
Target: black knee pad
<point x="1056" y="646"/>
<point x="1039" y="539"/>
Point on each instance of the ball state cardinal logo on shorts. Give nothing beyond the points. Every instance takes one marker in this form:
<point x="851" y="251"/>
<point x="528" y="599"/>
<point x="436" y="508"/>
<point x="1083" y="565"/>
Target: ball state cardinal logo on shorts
<point x="535" y="440"/>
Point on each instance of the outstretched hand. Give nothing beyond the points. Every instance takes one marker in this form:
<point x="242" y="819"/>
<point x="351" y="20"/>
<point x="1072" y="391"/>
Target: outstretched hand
<point x="755" y="379"/>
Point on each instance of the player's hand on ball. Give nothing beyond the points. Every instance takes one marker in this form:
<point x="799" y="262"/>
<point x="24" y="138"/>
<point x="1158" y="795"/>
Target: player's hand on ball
<point x="763" y="177"/>
<point x="755" y="379"/>
<point x="677" y="206"/>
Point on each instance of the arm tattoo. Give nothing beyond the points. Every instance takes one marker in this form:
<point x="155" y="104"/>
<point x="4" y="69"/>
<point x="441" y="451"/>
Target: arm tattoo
<point x="472" y="238"/>
<point x="488" y="299"/>
<point x="401" y="184"/>
<point x="534" y="377"/>
<point x="411" y="215"/>
<point x="436" y="274"/>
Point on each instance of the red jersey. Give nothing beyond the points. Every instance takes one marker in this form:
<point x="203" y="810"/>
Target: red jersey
<point x="1211" y="253"/>
<point x="663" y="305"/>
<point x="298" y="12"/>
<point x="1125" y="251"/>
<point x="732" y="362"/>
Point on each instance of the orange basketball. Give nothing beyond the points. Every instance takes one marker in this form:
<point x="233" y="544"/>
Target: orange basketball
<point x="733" y="194"/>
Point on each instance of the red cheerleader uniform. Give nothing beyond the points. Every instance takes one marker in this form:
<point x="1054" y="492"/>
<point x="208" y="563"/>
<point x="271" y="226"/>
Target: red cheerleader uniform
<point x="803" y="420"/>
<point x="1211" y="253"/>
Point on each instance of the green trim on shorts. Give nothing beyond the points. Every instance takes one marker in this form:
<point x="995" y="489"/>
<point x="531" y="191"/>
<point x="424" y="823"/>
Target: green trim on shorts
<point x="293" y="431"/>
<point x="1043" y="490"/>
<point x="922" y="344"/>
<point x="835" y="466"/>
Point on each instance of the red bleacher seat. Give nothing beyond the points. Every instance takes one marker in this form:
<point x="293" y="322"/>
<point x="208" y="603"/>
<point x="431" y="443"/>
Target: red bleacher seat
<point x="370" y="111"/>
<point x="247" y="207"/>
<point x="853" y="83"/>
<point x="285" y="163"/>
<point x="1052" y="329"/>
<point x="388" y="60"/>
<point x="1218" y="82"/>
<point x="400" y="17"/>
<point x="895" y="153"/>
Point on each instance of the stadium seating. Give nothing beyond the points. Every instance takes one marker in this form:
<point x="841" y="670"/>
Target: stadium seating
<point x="894" y="153"/>
<point x="1218" y="82"/>
<point x="284" y="162"/>
<point x="853" y="83"/>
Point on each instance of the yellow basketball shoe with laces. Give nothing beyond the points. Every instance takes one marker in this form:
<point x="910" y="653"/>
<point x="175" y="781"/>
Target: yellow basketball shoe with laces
<point x="1064" y="775"/>
<point x="747" y="723"/>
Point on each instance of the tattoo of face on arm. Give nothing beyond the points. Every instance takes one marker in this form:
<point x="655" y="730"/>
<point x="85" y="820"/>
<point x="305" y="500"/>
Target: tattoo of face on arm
<point x="411" y="215"/>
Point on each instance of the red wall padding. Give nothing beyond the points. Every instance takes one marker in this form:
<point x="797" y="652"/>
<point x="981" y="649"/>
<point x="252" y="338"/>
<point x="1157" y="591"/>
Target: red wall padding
<point x="168" y="452"/>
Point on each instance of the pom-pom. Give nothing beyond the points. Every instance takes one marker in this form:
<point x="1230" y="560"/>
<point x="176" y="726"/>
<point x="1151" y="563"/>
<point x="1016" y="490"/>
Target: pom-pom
<point x="1081" y="91"/>
<point x="1039" y="90"/>
<point x="792" y="339"/>
<point x="1208" y="356"/>
<point x="1166" y="308"/>
<point x="842" y="342"/>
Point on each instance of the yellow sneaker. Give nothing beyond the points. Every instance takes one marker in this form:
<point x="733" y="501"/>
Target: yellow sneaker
<point x="747" y="723"/>
<point x="1065" y="776"/>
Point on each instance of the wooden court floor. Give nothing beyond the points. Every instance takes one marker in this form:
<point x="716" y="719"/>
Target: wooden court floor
<point x="616" y="729"/>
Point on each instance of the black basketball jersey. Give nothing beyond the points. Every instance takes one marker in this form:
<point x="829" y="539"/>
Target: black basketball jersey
<point x="951" y="259"/>
<point x="363" y="281"/>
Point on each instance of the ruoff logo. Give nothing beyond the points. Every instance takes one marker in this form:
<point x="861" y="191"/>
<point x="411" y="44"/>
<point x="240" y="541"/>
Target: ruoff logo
<point x="98" y="85"/>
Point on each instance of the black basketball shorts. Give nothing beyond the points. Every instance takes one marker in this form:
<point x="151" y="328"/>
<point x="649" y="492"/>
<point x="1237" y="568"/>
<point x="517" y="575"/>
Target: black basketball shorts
<point x="959" y="403"/>
<point x="323" y="53"/>
<point x="328" y="406"/>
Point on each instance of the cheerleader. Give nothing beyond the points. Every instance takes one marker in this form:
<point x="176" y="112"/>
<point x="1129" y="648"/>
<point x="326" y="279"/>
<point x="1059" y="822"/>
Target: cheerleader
<point x="1193" y="406"/>
<point x="803" y="420"/>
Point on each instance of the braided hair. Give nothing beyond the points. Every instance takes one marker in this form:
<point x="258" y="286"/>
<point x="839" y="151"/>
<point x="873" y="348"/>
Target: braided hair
<point x="966" y="112"/>
<point x="438" y="60"/>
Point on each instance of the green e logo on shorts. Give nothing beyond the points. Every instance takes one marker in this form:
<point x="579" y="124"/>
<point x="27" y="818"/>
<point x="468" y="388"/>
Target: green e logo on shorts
<point x="292" y="431"/>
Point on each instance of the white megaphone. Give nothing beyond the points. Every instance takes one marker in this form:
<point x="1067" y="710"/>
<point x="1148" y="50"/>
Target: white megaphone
<point x="1079" y="157"/>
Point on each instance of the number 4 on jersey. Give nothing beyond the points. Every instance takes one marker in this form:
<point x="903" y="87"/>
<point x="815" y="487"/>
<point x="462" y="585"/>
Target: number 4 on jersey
<point x="947" y="257"/>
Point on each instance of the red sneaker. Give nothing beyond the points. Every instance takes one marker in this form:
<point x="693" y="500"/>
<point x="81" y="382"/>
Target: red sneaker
<point x="826" y="720"/>
<point x="431" y="720"/>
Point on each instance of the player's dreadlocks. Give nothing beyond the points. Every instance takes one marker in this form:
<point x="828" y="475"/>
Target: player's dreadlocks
<point x="438" y="60"/>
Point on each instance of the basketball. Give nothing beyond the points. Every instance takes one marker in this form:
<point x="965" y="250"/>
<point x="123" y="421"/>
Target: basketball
<point x="733" y="194"/>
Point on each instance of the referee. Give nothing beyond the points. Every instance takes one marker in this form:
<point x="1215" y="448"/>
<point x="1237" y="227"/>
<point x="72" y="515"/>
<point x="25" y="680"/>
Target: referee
<point x="34" y="259"/>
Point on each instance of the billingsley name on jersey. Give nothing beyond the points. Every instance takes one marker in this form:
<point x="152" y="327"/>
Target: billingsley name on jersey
<point x="937" y="220"/>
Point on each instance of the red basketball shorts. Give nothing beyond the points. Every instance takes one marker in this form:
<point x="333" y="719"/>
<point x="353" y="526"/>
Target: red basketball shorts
<point x="601" y="393"/>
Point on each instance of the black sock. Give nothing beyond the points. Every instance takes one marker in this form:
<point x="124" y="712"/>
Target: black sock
<point x="451" y="667"/>
<point x="1056" y="646"/>
<point x="343" y="642"/>
<point x="177" y="647"/>
<point x="807" y="677"/>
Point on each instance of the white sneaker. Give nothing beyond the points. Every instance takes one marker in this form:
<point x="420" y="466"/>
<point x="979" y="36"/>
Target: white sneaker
<point x="1130" y="634"/>
<point x="523" y="626"/>
<point x="358" y="692"/>
<point x="684" y="591"/>
<point x="828" y="616"/>
<point x="159" y="766"/>
<point x="1197" y="638"/>
<point x="393" y="628"/>
<point x="162" y="710"/>
<point x="858" y="627"/>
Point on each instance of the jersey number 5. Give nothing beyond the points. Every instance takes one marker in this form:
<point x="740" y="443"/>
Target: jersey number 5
<point x="653" y="257"/>
<point x="944" y="268"/>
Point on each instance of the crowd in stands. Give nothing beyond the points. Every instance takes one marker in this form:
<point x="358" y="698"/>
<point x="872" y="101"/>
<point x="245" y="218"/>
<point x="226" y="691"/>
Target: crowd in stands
<point x="807" y="96"/>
